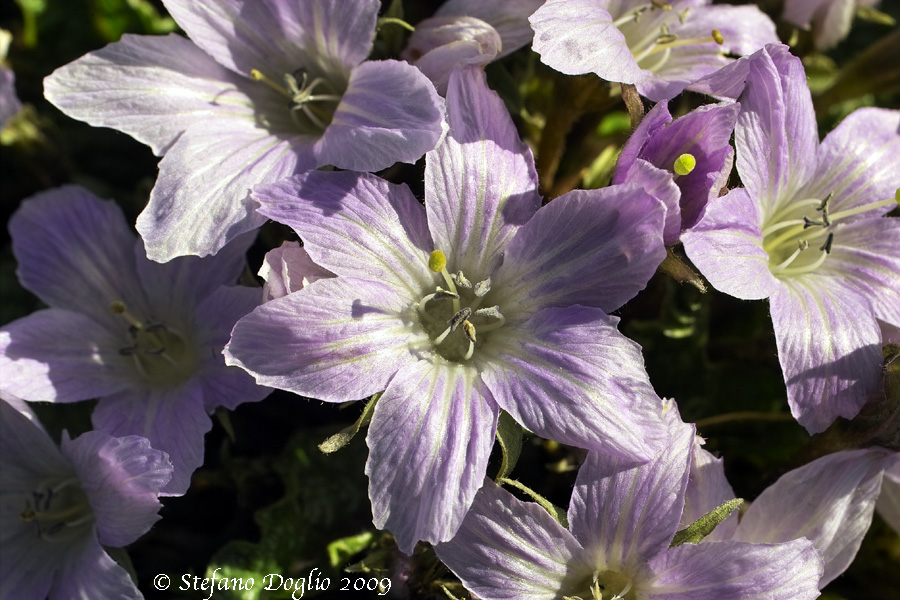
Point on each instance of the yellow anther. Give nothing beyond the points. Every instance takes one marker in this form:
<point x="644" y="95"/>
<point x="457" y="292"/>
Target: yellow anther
<point x="117" y="307"/>
<point x="437" y="262"/>
<point x="684" y="164"/>
<point x="717" y="37"/>
<point x="897" y="195"/>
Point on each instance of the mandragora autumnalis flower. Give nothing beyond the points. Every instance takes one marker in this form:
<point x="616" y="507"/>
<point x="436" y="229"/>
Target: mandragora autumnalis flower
<point x="263" y="89"/>
<point x="830" y="20"/>
<point x="479" y="301"/>
<point x="60" y="506"/>
<point x="808" y="231"/>
<point x="144" y="338"/>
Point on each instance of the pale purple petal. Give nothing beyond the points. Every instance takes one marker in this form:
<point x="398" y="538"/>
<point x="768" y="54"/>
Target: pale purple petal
<point x="151" y="87"/>
<point x="736" y="571"/>
<point x="89" y="572"/>
<point x="828" y="501"/>
<point x="355" y="225"/>
<point x="374" y="126"/>
<point x="578" y="36"/>
<point x="707" y="488"/>
<point x="198" y="205"/>
<point x="590" y="247"/>
<point x="726" y="247"/>
<point x="656" y="121"/>
<point x="829" y="347"/>
<point x="659" y="183"/>
<point x="9" y="102"/>
<point x="625" y="516"/>
<point x="568" y="375"/>
<point x="508" y="17"/>
<point x="429" y="444"/>
<point x="173" y="420"/>
<point x="800" y="12"/>
<point x="507" y="549"/>
<point x="480" y="182"/>
<point x="287" y="269"/>
<point x="56" y="355"/>
<point x="888" y="505"/>
<point x="336" y="339"/>
<point x="122" y="478"/>
<point x="830" y="19"/>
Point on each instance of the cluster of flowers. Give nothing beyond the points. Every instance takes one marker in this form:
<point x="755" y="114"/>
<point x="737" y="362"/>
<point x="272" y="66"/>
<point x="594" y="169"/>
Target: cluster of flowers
<point x="484" y="299"/>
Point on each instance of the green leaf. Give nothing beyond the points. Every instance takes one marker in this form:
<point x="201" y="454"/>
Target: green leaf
<point x="509" y="435"/>
<point x="340" y="551"/>
<point x="556" y="512"/>
<point x="343" y="437"/>
<point x="702" y="527"/>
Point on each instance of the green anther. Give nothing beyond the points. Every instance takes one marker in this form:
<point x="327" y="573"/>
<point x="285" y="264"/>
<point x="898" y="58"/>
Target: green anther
<point x="437" y="262"/>
<point x="684" y="164"/>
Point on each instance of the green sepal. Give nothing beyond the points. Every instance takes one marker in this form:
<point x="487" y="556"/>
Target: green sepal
<point x="558" y="513"/>
<point x="675" y="268"/>
<point x="343" y="437"/>
<point x="702" y="527"/>
<point x="509" y="435"/>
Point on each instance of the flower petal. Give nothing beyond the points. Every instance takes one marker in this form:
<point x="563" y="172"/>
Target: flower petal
<point x="89" y="572"/>
<point x="508" y="17"/>
<point x="829" y="349"/>
<point x="578" y="36"/>
<point x="568" y="375"/>
<point x="122" y="477"/>
<point x="480" y="182"/>
<point x="660" y="184"/>
<point x="336" y="339"/>
<point x="287" y="269"/>
<point x="429" y="444"/>
<point x="355" y="225"/>
<point x="736" y="570"/>
<point x="707" y="488"/>
<point x="509" y="549"/>
<point x="828" y="501"/>
<point x="590" y="247"/>
<point x="726" y="247"/>
<point x="374" y="126"/>
<point x="625" y="515"/>
<point x="201" y="199"/>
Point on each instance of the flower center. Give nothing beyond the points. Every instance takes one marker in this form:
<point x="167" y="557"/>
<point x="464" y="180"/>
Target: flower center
<point x="798" y="243"/>
<point x="453" y="317"/>
<point x="604" y="585"/>
<point x="59" y="510"/>
<point x="311" y="100"/>
<point x="646" y="31"/>
<point x="160" y="354"/>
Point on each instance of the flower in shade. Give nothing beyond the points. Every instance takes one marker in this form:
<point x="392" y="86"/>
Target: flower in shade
<point x="9" y="101"/>
<point x="479" y="301"/>
<point x="808" y="231"/>
<point x="684" y="162"/>
<point x="144" y="338"/>
<point x="830" y="20"/>
<point x="60" y="506"/>
<point x="661" y="47"/>
<point x="262" y="89"/>
<point x="621" y="523"/>
<point x="828" y="501"/>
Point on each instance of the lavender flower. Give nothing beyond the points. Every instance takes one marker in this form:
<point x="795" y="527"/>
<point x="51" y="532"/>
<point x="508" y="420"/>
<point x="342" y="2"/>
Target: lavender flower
<point x="622" y="521"/>
<point x="144" y="338"/>
<point x="829" y="20"/>
<point x="264" y="89"/>
<point x="480" y="301"/>
<point x="9" y="101"/>
<point x="61" y="504"/>
<point x="808" y="233"/>
<point x="287" y="269"/>
<point x="661" y="47"/>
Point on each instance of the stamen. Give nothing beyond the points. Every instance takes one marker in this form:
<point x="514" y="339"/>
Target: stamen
<point x="684" y="164"/>
<point x="470" y="351"/>
<point x="826" y="247"/>
<point x="461" y="280"/>
<point x="786" y="262"/>
<point x="865" y="208"/>
<point x="457" y="319"/>
<point x="482" y="288"/>
<point x="469" y="330"/>
<point x="257" y="75"/>
<point x="117" y="307"/>
<point x="492" y="311"/>
<point x="824" y="205"/>
<point x="807" y="223"/>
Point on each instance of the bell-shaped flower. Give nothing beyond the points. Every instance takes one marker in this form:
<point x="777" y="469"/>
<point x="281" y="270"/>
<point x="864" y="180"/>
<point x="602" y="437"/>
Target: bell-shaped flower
<point x="621" y="523"/>
<point x="808" y="232"/>
<point x="480" y="300"/>
<point x="144" y="338"/>
<point x="263" y="89"/>
<point x="660" y="46"/>
<point x="62" y="505"/>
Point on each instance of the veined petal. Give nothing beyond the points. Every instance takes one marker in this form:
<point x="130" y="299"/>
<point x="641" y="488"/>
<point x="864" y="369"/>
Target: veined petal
<point x="578" y="36"/>
<point x="828" y="346"/>
<point x="707" y="488"/>
<point x="287" y="269"/>
<point x="656" y="120"/>
<point x="89" y="572"/>
<point x="660" y="184"/>
<point x="355" y="225"/>
<point x="507" y="549"/>
<point x="828" y="501"/>
<point x="776" y="135"/>
<point x="625" y="515"/>
<point x="173" y="420"/>
<point x="336" y="339"/>
<point x="75" y="252"/>
<point x="429" y="444"/>
<point x="590" y="247"/>
<point x="736" y="571"/>
<point x="374" y="126"/>
<point x="480" y="182"/>
<point x="151" y="87"/>
<point x="726" y="246"/>
<point x="888" y="505"/>
<point x="122" y="477"/>
<point x="508" y="17"/>
<point x="568" y="375"/>
<point x="201" y="200"/>
<point x="56" y="355"/>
